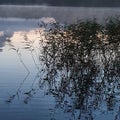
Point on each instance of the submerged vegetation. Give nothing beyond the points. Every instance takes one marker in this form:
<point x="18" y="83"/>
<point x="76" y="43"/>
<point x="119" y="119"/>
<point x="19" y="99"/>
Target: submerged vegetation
<point x="81" y="67"/>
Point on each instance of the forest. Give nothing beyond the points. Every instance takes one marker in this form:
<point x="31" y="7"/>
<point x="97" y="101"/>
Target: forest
<point x="84" y="3"/>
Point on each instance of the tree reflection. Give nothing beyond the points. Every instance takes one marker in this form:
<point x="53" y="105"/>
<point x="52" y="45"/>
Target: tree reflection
<point x="82" y="64"/>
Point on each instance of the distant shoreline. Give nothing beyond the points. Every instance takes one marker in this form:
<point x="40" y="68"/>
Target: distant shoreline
<point x="64" y="3"/>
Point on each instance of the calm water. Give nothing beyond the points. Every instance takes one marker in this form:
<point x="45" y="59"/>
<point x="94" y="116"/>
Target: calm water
<point x="19" y="73"/>
<point x="26" y="92"/>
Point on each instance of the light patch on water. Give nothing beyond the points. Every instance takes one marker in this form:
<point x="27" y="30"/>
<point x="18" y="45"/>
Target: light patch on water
<point x="48" y="20"/>
<point x="1" y="33"/>
<point x="15" y="26"/>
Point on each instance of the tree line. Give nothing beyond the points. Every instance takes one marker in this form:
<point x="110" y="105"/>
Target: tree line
<point x="86" y="3"/>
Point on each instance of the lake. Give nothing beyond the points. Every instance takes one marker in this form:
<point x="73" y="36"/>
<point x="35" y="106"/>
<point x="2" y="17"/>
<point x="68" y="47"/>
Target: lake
<point x="33" y="85"/>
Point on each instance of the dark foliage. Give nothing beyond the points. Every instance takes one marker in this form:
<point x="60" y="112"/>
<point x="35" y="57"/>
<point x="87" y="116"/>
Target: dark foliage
<point x="87" y="3"/>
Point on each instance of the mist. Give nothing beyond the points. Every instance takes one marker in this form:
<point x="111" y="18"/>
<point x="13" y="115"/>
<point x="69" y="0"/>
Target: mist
<point x="71" y="14"/>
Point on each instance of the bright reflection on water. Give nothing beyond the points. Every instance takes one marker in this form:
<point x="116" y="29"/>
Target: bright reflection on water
<point x="54" y="80"/>
<point x="19" y="75"/>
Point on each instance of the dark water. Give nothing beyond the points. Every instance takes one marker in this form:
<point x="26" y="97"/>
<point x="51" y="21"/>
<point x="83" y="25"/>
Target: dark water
<point x="53" y="79"/>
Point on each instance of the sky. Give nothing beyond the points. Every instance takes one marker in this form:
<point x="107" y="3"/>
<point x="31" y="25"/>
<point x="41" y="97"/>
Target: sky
<point x="86" y="3"/>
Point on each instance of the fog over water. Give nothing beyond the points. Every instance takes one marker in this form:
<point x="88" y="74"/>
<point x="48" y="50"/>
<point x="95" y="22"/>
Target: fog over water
<point x="26" y="17"/>
<point x="61" y="14"/>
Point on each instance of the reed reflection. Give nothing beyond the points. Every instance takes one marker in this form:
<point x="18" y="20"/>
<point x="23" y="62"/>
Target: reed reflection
<point x="82" y="67"/>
